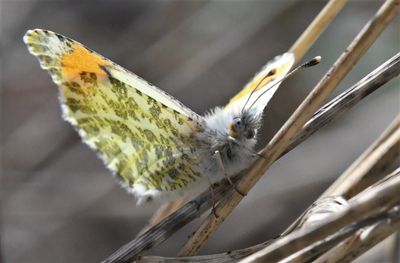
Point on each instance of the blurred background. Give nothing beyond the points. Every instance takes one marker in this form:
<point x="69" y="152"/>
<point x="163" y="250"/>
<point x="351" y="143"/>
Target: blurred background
<point x="58" y="201"/>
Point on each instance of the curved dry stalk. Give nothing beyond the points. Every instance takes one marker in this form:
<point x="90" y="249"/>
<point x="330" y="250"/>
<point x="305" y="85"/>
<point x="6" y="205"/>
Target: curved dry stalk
<point x="382" y="153"/>
<point x="292" y="127"/>
<point x="325" y="115"/>
<point x="312" y="252"/>
<point x="326" y="206"/>
<point x="160" y="232"/>
<point x="366" y="170"/>
<point x="367" y="204"/>
<point x="385" y="224"/>
<point x="163" y="211"/>
<point x="317" y="26"/>
<point x="320" y="247"/>
<point x="363" y="240"/>
<point x="347" y="99"/>
<point x="228" y="257"/>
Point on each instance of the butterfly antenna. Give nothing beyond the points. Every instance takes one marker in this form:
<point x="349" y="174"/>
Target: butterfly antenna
<point x="310" y="63"/>
<point x="270" y="73"/>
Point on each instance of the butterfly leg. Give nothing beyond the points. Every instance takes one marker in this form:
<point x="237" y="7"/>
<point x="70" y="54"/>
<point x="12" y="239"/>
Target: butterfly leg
<point x="221" y="164"/>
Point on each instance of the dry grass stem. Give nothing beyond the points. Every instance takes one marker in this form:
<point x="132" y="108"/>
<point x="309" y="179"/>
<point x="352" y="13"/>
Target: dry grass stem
<point x="365" y="205"/>
<point x="318" y="25"/>
<point x="163" y="211"/>
<point x="315" y="250"/>
<point x="367" y="168"/>
<point x="388" y="219"/>
<point x="349" y="232"/>
<point x="228" y="257"/>
<point x="361" y="242"/>
<point x="382" y="153"/>
<point x="160" y="232"/>
<point x="346" y="100"/>
<point x="292" y="127"/>
<point x="364" y="239"/>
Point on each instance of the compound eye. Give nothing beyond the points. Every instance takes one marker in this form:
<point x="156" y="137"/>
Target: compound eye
<point x="237" y="123"/>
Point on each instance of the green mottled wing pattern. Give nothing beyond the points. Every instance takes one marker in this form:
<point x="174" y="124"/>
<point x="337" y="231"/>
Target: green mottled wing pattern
<point x="143" y="135"/>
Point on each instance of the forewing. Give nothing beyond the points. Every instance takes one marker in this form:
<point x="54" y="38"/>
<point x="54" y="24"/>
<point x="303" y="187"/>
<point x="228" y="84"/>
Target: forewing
<point x="144" y="136"/>
<point x="260" y="89"/>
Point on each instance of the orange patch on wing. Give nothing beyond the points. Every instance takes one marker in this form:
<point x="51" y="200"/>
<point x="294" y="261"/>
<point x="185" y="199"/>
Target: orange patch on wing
<point x="82" y="60"/>
<point x="257" y="84"/>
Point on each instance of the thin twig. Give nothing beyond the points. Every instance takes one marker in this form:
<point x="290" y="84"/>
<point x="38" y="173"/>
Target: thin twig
<point x="380" y="154"/>
<point x="293" y="126"/>
<point x="163" y="211"/>
<point x="326" y="206"/>
<point x="192" y="210"/>
<point x="313" y="251"/>
<point x="357" y="176"/>
<point x="160" y="232"/>
<point x="318" y="25"/>
<point x="366" y="204"/>
<point x="346" y="100"/>
<point x="228" y="257"/>
<point x="366" y="238"/>
<point x="356" y="245"/>
<point x="310" y="253"/>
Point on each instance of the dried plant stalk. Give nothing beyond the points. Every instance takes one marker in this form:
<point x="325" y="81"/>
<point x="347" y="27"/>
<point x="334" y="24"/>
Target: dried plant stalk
<point x="312" y="252"/>
<point x="314" y="30"/>
<point x="355" y="246"/>
<point x="358" y="176"/>
<point x="346" y="100"/>
<point x="315" y="250"/>
<point x="160" y="232"/>
<point x="364" y="239"/>
<point x="381" y="153"/>
<point x="292" y="127"/>
<point x="164" y="211"/>
<point x="386" y="218"/>
<point x="367" y="204"/>
<point x="228" y="257"/>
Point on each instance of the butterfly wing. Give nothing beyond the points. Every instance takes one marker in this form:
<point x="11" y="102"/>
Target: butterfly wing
<point x="260" y="89"/>
<point x="145" y="136"/>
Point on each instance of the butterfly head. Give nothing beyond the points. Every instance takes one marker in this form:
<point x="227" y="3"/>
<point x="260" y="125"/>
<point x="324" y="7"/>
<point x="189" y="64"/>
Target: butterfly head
<point x="244" y="127"/>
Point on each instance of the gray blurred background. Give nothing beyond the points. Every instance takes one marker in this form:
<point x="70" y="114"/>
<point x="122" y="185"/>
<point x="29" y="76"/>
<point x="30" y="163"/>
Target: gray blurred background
<point x="59" y="203"/>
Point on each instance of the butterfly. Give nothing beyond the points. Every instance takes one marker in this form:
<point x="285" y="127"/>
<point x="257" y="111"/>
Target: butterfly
<point x="151" y="142"/>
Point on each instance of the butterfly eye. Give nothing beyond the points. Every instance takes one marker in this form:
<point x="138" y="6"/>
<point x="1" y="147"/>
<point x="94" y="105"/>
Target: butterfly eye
<point x="237" y="123"/>
<point x="235" y="128"/>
